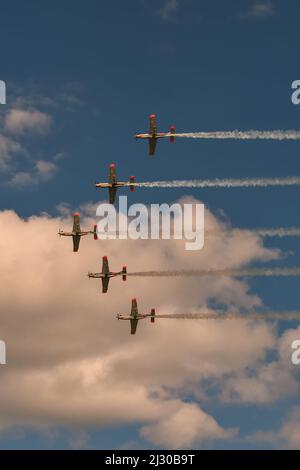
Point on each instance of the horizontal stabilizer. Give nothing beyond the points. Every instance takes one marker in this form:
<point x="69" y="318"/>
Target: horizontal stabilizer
<point x="172" y="132"/>
<point x="95" y="232"/>
<point x="152" y="315"/>
<point x="131" y="183"/>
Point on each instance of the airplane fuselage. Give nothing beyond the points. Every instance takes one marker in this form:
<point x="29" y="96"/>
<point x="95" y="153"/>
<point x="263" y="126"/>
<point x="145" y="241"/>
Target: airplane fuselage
<point x="112" y="274"/>
<point x="105" y="275"/>
<point x="131" y="317"/>
<point x="119" y="184"/>
<point x="158" y="135"/>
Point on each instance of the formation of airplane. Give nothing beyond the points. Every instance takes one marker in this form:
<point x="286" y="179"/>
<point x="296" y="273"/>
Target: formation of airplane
<point x="106" y="274"/>
<point x="135" y="316"/>
<point x="152" y="136"/>
<point x="113" y="184"/>
<point x="76" y="233"/>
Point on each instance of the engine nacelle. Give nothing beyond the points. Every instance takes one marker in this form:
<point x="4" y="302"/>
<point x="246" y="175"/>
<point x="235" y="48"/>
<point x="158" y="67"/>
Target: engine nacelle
<point x="124" y="273"/>
<point x="131" y="180"/>
<point x="172" y="131"/>
<point x="95" y="232"/>
<point x="152" y="315"/>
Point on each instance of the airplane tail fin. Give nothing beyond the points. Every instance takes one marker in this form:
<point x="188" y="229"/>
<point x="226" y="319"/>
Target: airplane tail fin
<point x="131" y="181"/>
<point x="95" y="232"/>
<point x="152" y="315"/>
<point x="124" y="273"/>
<point x="172" y="132"/>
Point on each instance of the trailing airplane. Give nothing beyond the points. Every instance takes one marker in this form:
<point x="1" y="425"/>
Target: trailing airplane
<point x="135" y="316"/>
<point x="153" y="135"/>
<point x="106" y="274"/>
<point x="113" y="184"/>
<point x="76" y="233"/>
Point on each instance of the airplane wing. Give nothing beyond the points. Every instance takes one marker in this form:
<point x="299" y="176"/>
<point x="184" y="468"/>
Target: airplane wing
<point x="112" y="194"/>
<point x="65" y="234"/>
<point x="133" y="325"/>
<point x="134" y="308"/>
<point x="112" y="173"/>
<point x="76" y="241"/>
<point x="105" y="267"/>
<point x="152" y="129"/>
<point x="152" y="145"/>
<point x="105" y="282"/>
<point x="76" y="223"/>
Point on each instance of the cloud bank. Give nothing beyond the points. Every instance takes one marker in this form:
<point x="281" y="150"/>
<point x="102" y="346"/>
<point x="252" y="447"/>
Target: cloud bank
<point x="71" y="363"/>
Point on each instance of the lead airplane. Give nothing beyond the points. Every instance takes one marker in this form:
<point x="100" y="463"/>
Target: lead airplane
<point x="76" y="233"/>
<point x="106" y="274"/>
<point x="113" y="184"/>
<point x="135" y="316"/>
<point x="153" y="135"/>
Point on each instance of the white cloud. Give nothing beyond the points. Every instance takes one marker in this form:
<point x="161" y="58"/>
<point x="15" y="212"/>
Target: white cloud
<point x="42" y="171"/>
<point x="269" y="382"/>
<point x="20" y="121"/>
<point x="45" y="170"/>
<point x="8" y="149"/>
<point x="185" y="427"/>
<point x="286" y="437"/>
<point x="64" y="342"/>
<point x="168" y="9"/>
<point x="259" y="9"/>
<point x="59" y="156"/>
<point x="22" y="118"/>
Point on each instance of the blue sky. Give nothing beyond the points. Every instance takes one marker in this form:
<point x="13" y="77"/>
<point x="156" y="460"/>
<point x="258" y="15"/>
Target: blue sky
<point x="97" y="69"/>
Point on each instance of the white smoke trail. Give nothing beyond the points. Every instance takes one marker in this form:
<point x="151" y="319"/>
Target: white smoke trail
<point x="219" y="272"/>
<point x="242" y="135"/>
<point x="263" y="232"/>
<point x="292" y="315"/>
<point x="278" y="232"/>
<point x="223" y="183"/>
